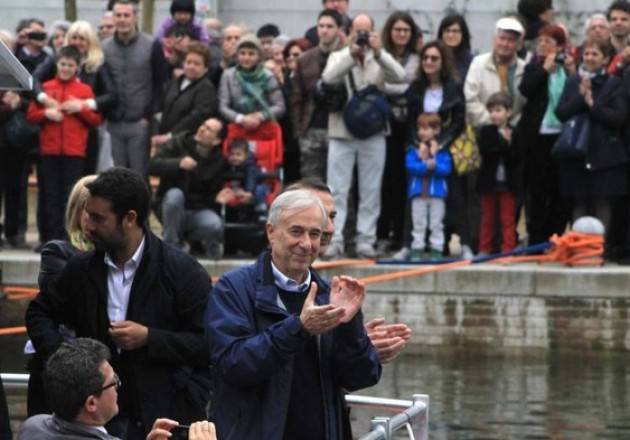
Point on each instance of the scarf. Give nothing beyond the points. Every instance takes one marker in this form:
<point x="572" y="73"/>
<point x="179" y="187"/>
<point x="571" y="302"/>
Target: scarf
<point x="555" y="86"/>
<point x="254" y="86"/>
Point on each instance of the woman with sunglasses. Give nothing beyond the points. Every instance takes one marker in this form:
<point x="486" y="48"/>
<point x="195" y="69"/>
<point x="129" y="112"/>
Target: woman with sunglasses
<point x="436" y="90"/>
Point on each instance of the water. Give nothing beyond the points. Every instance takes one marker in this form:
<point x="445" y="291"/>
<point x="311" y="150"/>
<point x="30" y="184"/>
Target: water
<point x="477" y="397"/>
<point x="552" y="397"/>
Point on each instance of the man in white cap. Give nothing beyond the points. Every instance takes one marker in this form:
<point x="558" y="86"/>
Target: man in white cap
<point x="498" y="70"/>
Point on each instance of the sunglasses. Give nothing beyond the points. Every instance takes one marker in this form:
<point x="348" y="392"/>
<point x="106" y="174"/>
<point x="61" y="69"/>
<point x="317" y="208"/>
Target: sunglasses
<point x="432" y="58"/>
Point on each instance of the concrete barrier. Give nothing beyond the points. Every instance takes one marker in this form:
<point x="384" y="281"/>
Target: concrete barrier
<point x="482" y="307"/>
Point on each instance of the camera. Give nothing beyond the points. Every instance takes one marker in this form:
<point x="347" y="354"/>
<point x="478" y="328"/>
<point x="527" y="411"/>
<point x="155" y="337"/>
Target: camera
<point x="363" y="38"/>
<point x="560" y="57"/>
<point x="180" y="432"/>
<point x="39" y="36"/>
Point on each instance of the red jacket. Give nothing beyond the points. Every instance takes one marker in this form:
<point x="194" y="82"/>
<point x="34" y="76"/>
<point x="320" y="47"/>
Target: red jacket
<point x="68" y="137"/>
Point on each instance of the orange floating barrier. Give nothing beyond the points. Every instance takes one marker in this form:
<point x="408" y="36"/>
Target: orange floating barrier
<point x="12" y="331"/>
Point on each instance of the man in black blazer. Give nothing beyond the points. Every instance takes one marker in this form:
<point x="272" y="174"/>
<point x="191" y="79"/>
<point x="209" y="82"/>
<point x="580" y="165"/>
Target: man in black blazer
<point x="143" y="299"/>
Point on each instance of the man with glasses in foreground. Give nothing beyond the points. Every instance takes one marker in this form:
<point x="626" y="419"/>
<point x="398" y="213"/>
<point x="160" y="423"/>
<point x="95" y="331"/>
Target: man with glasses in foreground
<point x="82" y="390"/>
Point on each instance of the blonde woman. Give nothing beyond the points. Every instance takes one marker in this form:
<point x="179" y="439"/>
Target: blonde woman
<point x="55" y="256"/>
<point x="94" y="72"/>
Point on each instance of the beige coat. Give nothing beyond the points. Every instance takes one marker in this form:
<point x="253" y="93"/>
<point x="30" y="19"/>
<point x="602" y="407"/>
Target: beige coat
<point x="482" y="81"/>
<point x="371" y="72"/>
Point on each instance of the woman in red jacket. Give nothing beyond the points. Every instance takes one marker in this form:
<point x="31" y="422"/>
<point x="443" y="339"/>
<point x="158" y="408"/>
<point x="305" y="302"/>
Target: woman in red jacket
<point x="63" y="136"/>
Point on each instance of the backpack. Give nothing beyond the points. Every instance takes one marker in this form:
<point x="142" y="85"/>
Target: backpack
<point x="367" y="112"/>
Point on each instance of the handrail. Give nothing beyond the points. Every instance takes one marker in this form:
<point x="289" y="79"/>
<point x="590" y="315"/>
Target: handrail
<point x="414" y="417"/>
<point x="11" y="380"/>
<point x="414" y="414"/>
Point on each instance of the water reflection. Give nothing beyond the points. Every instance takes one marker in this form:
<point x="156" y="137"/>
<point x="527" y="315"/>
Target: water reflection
<point x="554" y="397"/>
<point x="481" y="398"/>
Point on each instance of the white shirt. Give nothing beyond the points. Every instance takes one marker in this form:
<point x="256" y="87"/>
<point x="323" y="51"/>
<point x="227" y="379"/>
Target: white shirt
<point x="119" y="283"/>
<point x="285" y="283"/>
<point x="433" y="100"/>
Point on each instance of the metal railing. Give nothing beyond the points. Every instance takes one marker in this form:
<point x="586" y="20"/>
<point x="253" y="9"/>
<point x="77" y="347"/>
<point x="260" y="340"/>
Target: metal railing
<point x="412" y="415"/>
<point x="10" y="380"/>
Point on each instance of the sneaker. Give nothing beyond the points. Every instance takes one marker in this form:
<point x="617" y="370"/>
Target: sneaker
<point x="416" y="254"/>
<point x="334" y="250"/>
<point x="402" y="255"/>
<point x="383" y="245"/>
<point x="467" y="253"/>
<point x="366" y="250"/>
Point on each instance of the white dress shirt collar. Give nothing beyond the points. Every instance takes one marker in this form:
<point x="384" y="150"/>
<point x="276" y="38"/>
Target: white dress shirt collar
<point x="290" y="285"/>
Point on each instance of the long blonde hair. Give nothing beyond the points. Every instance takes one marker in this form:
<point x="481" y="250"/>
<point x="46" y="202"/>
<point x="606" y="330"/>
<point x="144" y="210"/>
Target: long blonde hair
<point x="74" y="210"/>
<point x="94" y="57"/>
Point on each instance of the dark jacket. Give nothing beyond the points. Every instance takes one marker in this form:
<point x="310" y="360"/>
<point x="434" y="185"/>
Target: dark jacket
<point x="47" y="427"/>
<point x="201" y="184"/>
<point x="607" y="116"/>
<point x="308" y="71"/>
<point x="452" y="111"/>
<point x="184" y="110"/>
<point x="169" y="294"/>
<point x="100" y="81"/>
<point x="244" y="176"/>
<point x="253" y="341"/>
<point x="139" y="71"/>
<point x="534" y="87"/>
<point x="54" y="257"/>
<point x="495" y="149"/>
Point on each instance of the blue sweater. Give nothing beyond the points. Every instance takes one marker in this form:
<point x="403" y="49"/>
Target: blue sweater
<point x="417" y="170"/>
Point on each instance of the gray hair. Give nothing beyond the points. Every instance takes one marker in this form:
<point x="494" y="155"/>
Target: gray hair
<point x="297" y="200"/>
<point x="597" y="16"/>
<point x="73" y="374"/>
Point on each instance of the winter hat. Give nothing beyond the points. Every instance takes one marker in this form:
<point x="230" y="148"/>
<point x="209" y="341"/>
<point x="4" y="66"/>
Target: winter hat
<point x="250" y="41"/>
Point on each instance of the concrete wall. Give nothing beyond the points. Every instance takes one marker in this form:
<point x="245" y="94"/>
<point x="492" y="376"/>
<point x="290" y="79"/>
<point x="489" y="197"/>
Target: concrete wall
<point x="294" y="17"/>
<point x="484" y="307"/>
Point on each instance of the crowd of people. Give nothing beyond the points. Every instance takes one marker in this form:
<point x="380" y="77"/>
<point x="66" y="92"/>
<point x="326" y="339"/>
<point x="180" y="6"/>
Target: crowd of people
<point x="391" y="144"/>
<point x="162" y="106"/>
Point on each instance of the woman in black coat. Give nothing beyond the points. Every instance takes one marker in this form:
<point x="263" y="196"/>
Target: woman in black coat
<point x="54" y="257"/>
<point x="538" y="130"/>
<point x="93" y="71"/>
<point x="435" y="90"/>
<point x="593" y="183"/>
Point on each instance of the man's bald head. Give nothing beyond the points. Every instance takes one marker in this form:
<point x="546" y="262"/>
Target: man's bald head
<point x="362" y="22"/>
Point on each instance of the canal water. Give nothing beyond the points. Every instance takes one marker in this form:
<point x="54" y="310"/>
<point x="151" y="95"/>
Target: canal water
<point x="475" y="397"/>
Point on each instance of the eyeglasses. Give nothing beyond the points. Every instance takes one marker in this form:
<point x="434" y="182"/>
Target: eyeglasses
<point x="403" y="30"/>
<point x="116" y="383"/>
<point x="432" y="58"/>
<point x="452" y="31"/>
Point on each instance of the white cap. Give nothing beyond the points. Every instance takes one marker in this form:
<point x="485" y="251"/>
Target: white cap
<point x="510" y="24"/>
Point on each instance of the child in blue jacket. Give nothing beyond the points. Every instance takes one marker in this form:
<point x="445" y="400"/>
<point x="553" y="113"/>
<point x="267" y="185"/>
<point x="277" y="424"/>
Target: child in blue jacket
<point x="428" y="168"/>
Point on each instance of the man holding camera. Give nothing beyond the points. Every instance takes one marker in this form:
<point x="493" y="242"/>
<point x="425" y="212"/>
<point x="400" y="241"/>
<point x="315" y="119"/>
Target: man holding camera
<point x="363" y="62"/>
<point x="82" y="390"/>
<point x="310" y="109"/>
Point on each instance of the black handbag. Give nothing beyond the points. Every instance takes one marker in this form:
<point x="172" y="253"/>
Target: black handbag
<point x="574" y="138"/>
<point x="21" y="135"/>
